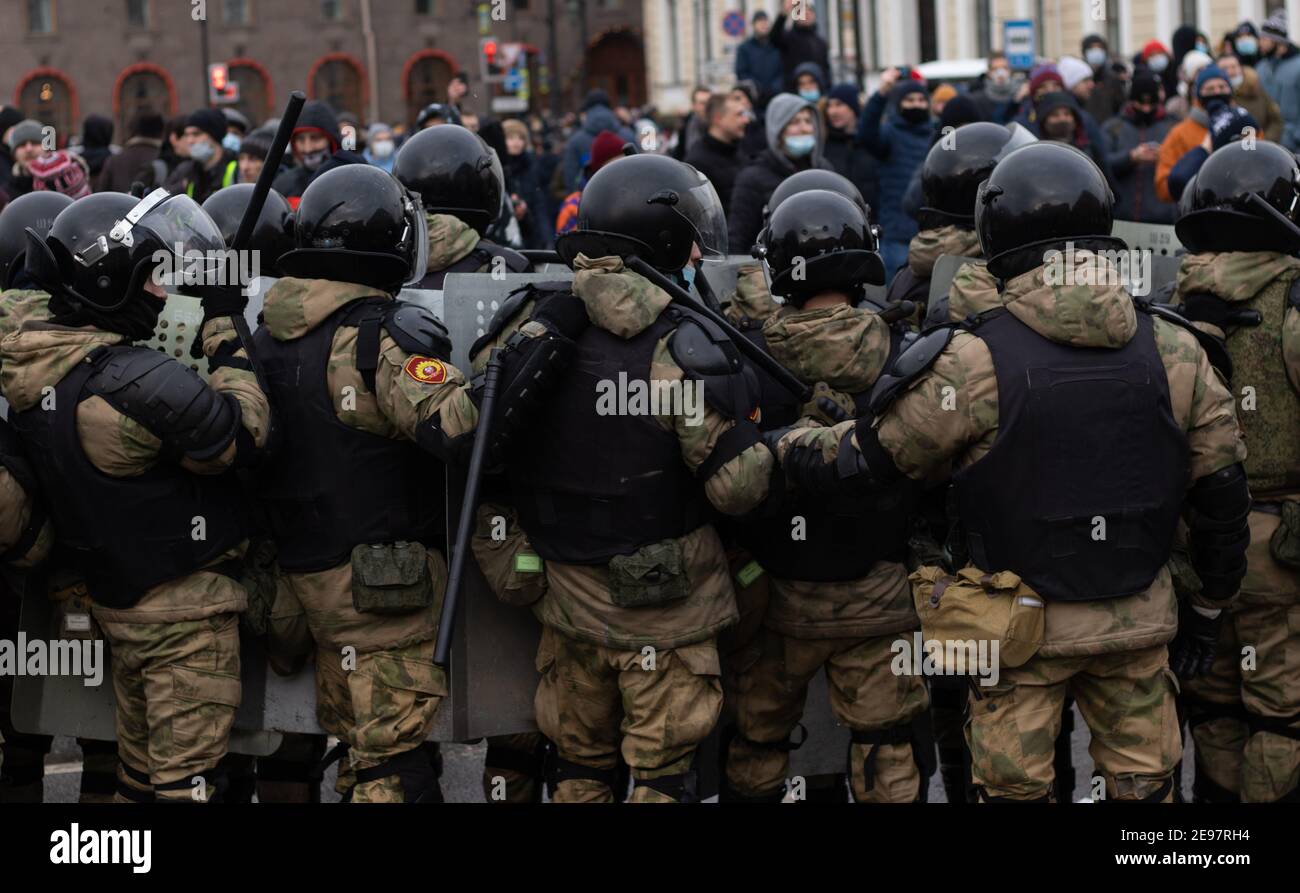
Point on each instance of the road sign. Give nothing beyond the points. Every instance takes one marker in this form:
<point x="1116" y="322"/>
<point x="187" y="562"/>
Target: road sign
<point x="1019" y="43"/>
<point x="733" y="23"/>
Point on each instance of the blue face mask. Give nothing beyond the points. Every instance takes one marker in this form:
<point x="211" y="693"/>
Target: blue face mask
<point x="1247" y="46"/>
<point x="232" y="142"/>
<point x="797" y="146"/>
<point x="688" y="273"/>
<point x="812" y="94"/>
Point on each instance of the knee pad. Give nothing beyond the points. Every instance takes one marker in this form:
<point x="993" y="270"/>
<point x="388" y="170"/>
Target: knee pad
<point x="215" y="783"/>
<point x="986" y="797"/>
<point x="729" y="794"/>
<point x="502" y="757"/>
<point x="1160" y="787"/>
<point x="680" y="787"/>
<point x="415" y="773"/>
<point x="558" y="770"/>
<point x="896" y="735"/>
<point x="141" y="791"/>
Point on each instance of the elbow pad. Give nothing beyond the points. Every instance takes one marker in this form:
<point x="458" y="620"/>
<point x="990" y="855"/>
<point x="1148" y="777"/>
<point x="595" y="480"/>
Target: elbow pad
<point x="1219" y="528"/>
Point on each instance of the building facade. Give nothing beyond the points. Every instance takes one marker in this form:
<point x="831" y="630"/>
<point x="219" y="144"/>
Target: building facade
<point x="379" y="59"/>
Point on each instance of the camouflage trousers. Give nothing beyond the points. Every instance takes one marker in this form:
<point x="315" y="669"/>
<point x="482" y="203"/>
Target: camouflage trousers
<point x="654" y="706"/>
<point x="377" y="688"/>
<point x="1245" y="714"/>
<point x="177" y="687"/>
<point x="865" y="694"/>
<point x="1125" y="697"/>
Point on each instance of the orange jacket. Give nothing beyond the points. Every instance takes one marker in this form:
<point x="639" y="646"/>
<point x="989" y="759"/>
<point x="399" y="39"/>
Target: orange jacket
<point x="1185" y="137"/>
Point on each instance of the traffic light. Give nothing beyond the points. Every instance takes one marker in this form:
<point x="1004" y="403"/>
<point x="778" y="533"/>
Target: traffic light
<point x="489" y="56"/>
<point x="221" y="89"/>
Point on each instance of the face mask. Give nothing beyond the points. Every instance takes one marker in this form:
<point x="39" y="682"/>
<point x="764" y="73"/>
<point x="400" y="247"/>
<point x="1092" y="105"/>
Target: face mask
<point x="1200" y="45"/>
<point x="383" y="148"/>
<point x="1247" y="46"/>
<point x="1000" y="76"/>
<point x="314" y="160"/>
<point x="688" y="273"/>
<point x="232" y="143"/>
<point x="1096" y="56"/>
<point x="812" y="94"/>
<point x="202" y="152"/>
<point x="1158" y="62"/>
<point x="1213" y="104"/>
<point x="1060" y="131"/>
<point x="1236" y="80"/>
<point x="915" y="115"/>
<point x="797" y="146"/>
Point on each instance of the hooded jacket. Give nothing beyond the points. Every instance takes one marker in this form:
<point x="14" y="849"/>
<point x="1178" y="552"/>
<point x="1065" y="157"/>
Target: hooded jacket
<point x="901" y="148"/>
<point x="595" y="119"/>
<point x="755" y="184"/>
<point x="1135" y="185"/>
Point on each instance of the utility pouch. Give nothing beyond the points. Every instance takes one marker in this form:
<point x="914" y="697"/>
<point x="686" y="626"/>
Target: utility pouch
<point x="652" y="575"/>
<point x="970" y="607"/>
<point x="1284" y="544"/>
<point x="391" y="578"/>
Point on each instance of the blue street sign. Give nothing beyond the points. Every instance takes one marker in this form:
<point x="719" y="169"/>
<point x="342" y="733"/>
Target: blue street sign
<point x="1018" y="42"/>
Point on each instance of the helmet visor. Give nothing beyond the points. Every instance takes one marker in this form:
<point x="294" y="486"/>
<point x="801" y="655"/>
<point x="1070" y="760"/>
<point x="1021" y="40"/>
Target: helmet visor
<point x="192" y="249"/>
<point x="702" y="207"/>
<point x="415" y="238"/>
<point x="1020" y="136"/>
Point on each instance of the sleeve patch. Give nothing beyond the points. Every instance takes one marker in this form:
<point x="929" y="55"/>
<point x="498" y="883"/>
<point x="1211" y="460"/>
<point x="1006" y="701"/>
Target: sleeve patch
<point x="426" y="370"/>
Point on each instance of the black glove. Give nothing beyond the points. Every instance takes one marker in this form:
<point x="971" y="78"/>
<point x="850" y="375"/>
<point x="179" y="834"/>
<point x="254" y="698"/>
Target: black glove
<point x="1191" y="653"/>
<point x="564" y="314"/>
<point x="807" y="468"/>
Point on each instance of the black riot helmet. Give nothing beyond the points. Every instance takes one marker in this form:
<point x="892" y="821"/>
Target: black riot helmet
<point x="454" y="172"/>
<point x="272" y="235"/>
<point x="437" y="111"/>
<point x="956" y="166"/>
<point x="649" y="206"/>
<point x="815" y="178"/>
<point x="357" y="224"/>
<point x="1038" y="198"/>
<point x="36" y="210"/>
<point x="102" y="248"/>
<point x="1237" y="197"/>
<point x="820" y="241"/>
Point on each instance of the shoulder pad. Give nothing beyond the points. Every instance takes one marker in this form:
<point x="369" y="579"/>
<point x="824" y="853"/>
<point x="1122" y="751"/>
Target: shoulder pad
<point x="417" y="331"/>
<point x="936" y="313"/>
<point x="515" y="262"/>
<point x="909" y="366"/>
<point x="705" y="352"/>
<point x="702" y="348"/>
<point x="166" y="397"/>
<point x="1214" y="348"/>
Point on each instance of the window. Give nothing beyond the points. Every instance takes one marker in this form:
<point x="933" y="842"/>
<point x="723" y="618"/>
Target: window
<point x="142" y="91"/>
<point x="235" y="12"/>
<point x="40" y="16"/>
<point x="331" y="10"/>
<point x="137" y="13"/>
<point x="424" y="7"/>
<point x="928" y="28"/>
<point x="983" y="28"/>
<point x="1112" y="25"/>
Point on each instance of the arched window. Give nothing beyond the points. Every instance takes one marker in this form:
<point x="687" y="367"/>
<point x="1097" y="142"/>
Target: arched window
<point x="254" y="89"/>
<point x="48" y="96"/>
<point x="425" y="80"/>
<point x="142" y="88"/>
<point x="616" y="64"/>
<point x="338" y="81"/>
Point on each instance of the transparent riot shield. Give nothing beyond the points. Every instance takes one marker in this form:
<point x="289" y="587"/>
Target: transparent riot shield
<point x="945" y="270"/>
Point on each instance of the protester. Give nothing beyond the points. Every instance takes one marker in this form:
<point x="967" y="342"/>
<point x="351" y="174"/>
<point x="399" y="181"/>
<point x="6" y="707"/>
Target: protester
<point x="995" y="93"/>
<point x="1248" y="93"/>
<point x="1279" y="72"/>
<point x="597" y="116"/>
<point x="606" y="147"/>
<point x="758" y="59"/>
<point x="210" y="166"/>
<point x="842" y="149"/>
<point x="1108" y="94"/>
<point x="800" y="42"/>
<point x="381" y="146"/>
<point x="1212" y="88"/>
<point x="524" y="187"/>
<point x="1133" y="139"/>
<point x="138" y="162"/>
<point x="717" y="153"/>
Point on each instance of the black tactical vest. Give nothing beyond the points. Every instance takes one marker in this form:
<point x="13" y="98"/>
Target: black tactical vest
<point x="475" y="261"/>
<point x="592" y="486"/>
<point x="1081" y="492"/>
<point x="329" y="487"/>
<point x="124" y="535"/>
<point x="780" y="407"/>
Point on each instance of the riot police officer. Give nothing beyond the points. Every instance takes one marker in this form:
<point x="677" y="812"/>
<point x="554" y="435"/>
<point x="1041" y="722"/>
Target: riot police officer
<point x="953" y="170"/>
<point x="361" y="382"/>
<point x="839" y="593"/>
<point x="133" y="451"/>
<point x="617" y="497"/>
<point x="1034" y="404"/>
<point x="1241" y="278"/>
<point x="460" y="180"/>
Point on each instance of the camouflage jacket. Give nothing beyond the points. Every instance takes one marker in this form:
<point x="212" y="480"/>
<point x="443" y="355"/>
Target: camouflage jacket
<point x="1266" y="385"/>
<point x="577" y="600"/>
<point x="751" y="302"/>
<point x="450" y="239"/>
<point x="927" y="443"/>
<point x="41" y="353"/>
<point x="974" y="290"/>
<point x="844" y="349"/>
<point x="928" y="245"/>
<point x="17" y="306"/>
